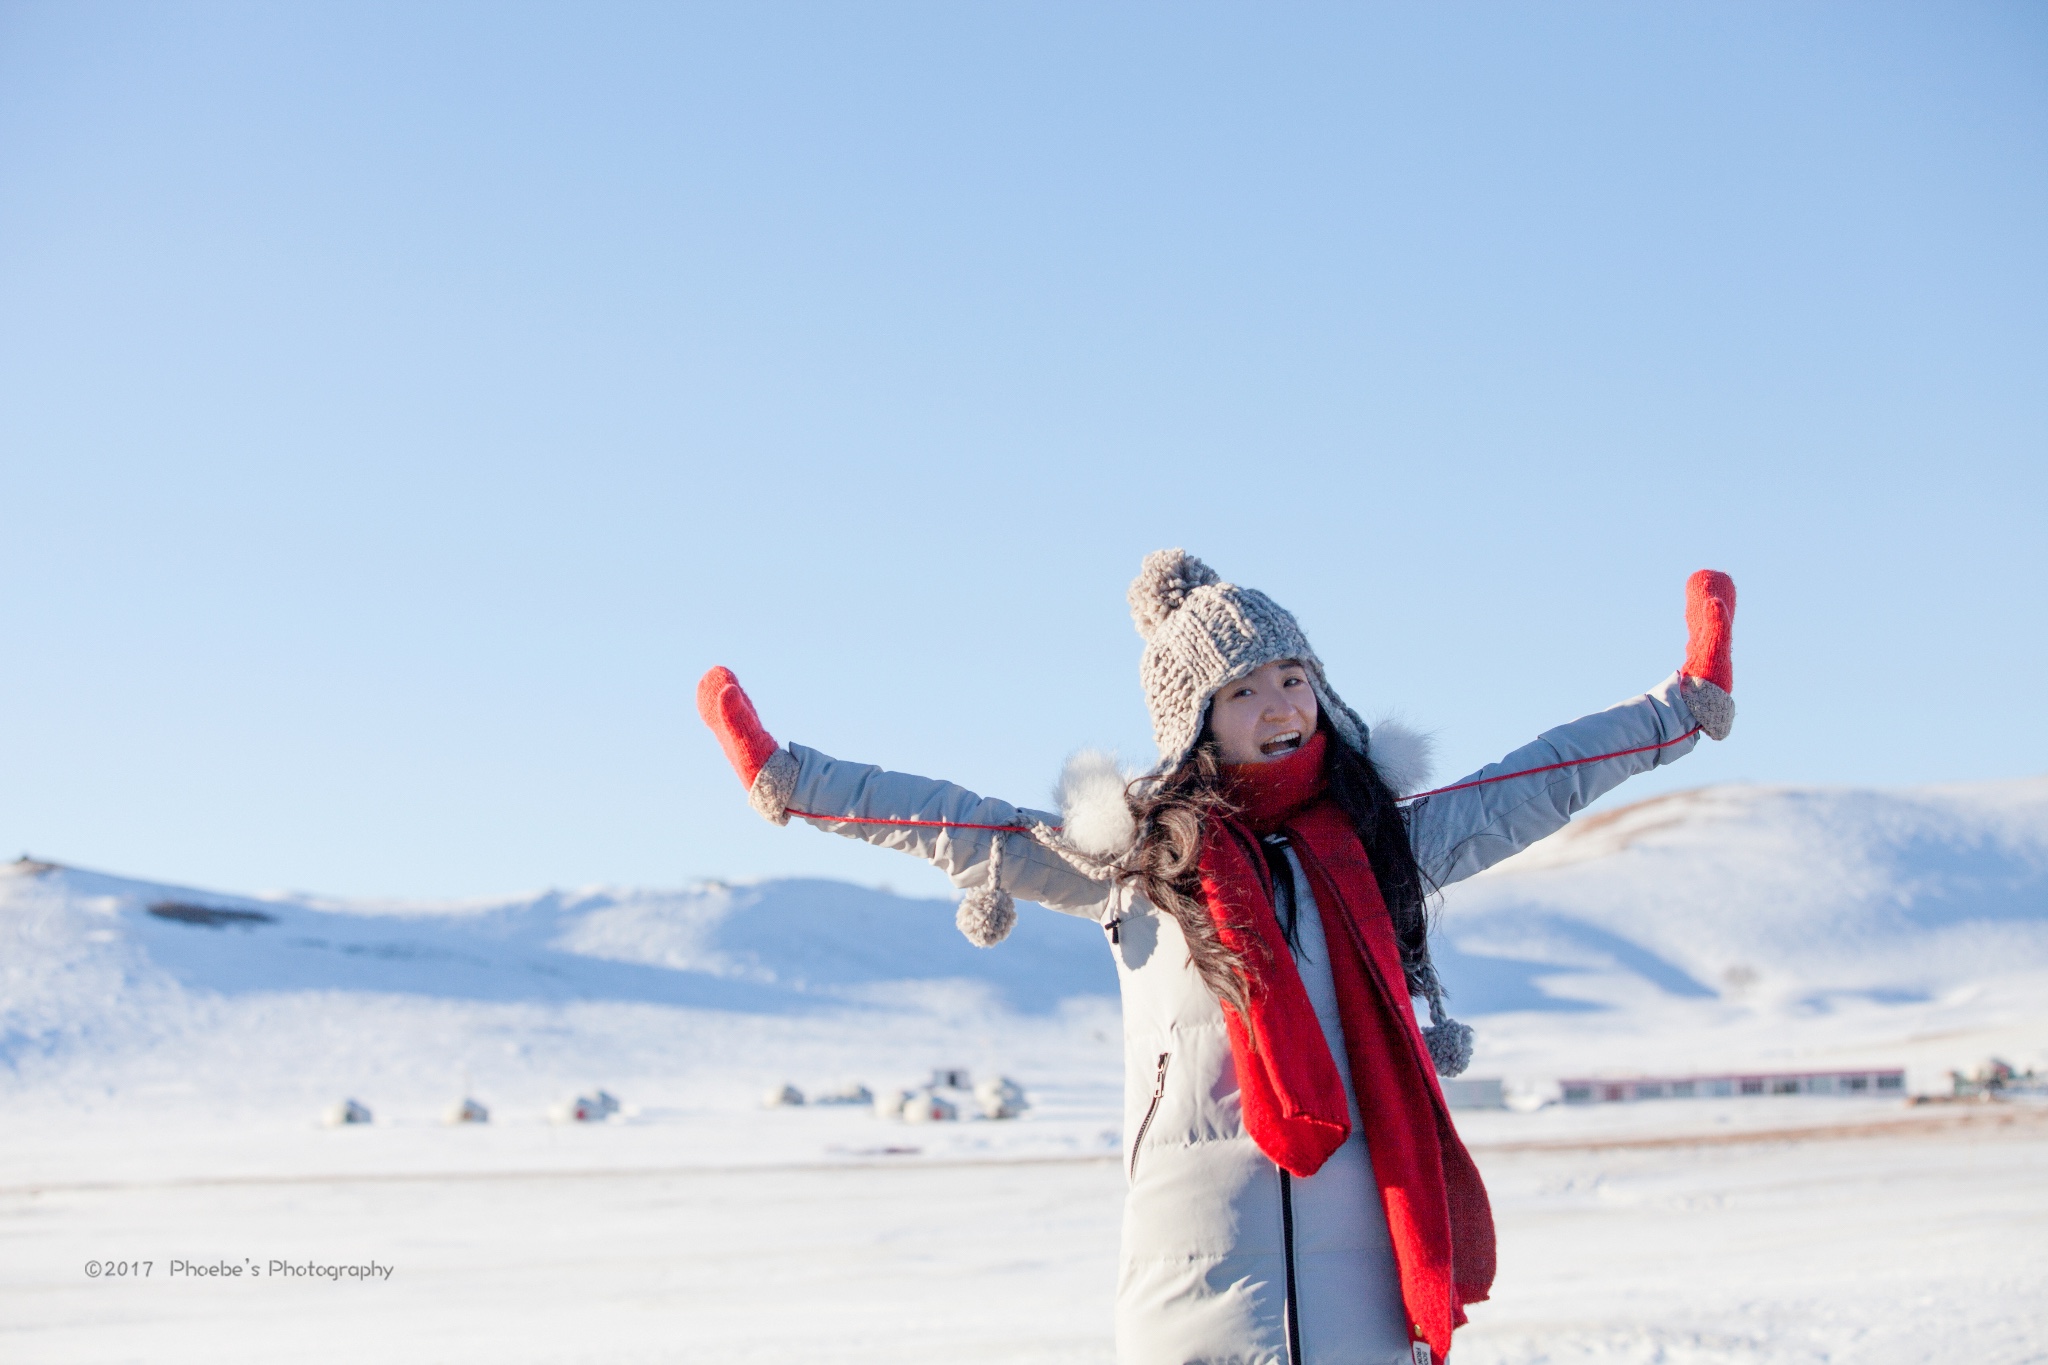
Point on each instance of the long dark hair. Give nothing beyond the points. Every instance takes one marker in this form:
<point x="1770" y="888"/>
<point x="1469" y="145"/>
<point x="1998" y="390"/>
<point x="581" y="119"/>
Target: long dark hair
<point x="1173" y="814"/>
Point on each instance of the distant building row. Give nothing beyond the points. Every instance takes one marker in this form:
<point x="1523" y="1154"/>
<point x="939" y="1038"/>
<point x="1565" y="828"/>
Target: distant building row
<point x="1864" y="1082"/>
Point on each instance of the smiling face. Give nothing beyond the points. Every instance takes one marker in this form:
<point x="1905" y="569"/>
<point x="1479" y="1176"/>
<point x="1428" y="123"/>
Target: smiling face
<point x="1267" y="714"/>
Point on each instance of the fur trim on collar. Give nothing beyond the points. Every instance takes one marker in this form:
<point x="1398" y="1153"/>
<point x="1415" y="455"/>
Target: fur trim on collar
<point x="1095" y="817"/>
<point x="1405" y="757"/>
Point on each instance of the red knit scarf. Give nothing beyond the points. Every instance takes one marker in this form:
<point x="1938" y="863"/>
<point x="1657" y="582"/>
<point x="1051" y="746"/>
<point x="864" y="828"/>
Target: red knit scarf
<point x="1291" y="1091"/>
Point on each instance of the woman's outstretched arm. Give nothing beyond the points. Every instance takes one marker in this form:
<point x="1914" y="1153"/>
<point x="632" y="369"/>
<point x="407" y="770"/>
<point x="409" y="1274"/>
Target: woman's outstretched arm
<point x="948" y="826"/>
<point x="1473" y="823"/>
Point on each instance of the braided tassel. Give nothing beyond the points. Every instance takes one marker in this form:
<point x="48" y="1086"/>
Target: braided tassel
<point x="988" y="913"/>
<point x="1450" y="1042"/>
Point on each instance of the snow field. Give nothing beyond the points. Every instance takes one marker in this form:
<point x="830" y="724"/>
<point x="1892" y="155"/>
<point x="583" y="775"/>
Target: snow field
<point x="1924" y="1245"/>
<point x="1907" y="1246"/>
<point x="939" y="1263"/>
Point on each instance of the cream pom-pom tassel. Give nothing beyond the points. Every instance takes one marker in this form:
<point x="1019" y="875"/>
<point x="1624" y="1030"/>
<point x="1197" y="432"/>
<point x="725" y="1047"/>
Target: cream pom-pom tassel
<point x="988" y="913"/>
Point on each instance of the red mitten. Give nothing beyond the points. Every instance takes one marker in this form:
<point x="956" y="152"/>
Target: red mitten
<point x="726" y="708"/>
<point x="1710" y="621"/>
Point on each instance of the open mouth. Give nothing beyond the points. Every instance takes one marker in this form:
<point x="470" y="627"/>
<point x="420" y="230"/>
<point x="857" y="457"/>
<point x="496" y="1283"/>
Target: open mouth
<point x="1281" y="744"/>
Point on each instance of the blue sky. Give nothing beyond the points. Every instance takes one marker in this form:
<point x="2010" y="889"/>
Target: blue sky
<point x="400" y="406"/>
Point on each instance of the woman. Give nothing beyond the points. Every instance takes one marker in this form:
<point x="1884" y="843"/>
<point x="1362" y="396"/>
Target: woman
<point x="1297" y="1192"/>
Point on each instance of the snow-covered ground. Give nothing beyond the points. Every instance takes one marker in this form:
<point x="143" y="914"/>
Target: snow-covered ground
<point x="1921" y="1247"/>
<point x="164" y="1053"/>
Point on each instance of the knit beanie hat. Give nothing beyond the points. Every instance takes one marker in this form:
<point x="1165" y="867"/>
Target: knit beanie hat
<point x="1201" y="633"/>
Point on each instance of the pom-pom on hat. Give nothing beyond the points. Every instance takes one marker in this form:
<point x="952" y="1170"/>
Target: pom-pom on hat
<point x="1201" y="633"/>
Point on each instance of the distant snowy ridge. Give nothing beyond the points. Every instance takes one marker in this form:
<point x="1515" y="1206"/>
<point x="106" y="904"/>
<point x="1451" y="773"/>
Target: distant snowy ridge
<point x="1758" y="900"/>
<point x="85" y="955"/>
<point x="1765" y="895"/>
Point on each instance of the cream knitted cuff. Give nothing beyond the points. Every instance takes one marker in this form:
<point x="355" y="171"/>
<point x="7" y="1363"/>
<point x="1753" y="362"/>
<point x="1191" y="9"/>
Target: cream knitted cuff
<point x="1710" y="706"/>
<point x="773" y="786"/>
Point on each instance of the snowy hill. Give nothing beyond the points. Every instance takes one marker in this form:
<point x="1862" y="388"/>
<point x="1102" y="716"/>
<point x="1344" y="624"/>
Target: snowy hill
<point x="1788" y="897"/>
<point x="1769" y="927"/>
<point x="83" y="948"/>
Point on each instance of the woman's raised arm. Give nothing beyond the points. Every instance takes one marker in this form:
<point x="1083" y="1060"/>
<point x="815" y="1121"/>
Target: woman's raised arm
<point x="1471" y="824"/>
<point x="981" y="843"/>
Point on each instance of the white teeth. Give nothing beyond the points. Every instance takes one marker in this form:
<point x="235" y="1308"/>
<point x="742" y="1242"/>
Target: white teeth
<point x="1290" y="740"/>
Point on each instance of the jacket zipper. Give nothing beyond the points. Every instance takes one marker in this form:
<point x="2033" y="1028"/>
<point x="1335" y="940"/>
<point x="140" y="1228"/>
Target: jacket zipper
<point x="1292" y="1307"/>
<point x="1158" y="1089"/>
